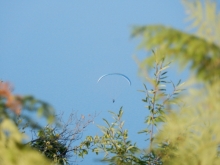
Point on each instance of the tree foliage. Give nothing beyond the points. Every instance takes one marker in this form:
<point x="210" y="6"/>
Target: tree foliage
<point x="157" y="98"/>
<point x="13" y="151"/>
<point x="191" y="135"/>
<point x="113" y="142"/>
<point x="58" y="141"/>
<point x="18" y="108"/>
<point x="200" y="50"/>
<point x="183" y="135"/>
<point x="52" y="144"/>
<point x="187" y="134"/>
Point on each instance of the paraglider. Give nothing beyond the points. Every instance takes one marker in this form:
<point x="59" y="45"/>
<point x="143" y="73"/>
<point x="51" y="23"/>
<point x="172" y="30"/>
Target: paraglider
<point x="115" y="74"/>
<point x="119" y="74"/>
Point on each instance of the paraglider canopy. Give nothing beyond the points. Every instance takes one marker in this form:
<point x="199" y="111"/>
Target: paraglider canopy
<point x="119" y="74"/>
<point x="113" y="84"/>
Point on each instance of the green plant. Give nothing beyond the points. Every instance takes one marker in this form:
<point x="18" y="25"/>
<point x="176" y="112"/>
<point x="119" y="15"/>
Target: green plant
<point x="191" y="135"/>
<point x="57" y="141"/>
<point x="114" y="142"/>
<point x="157" y="98"/>
<point x="13" y="151"/>
<point x="199" y="50"/>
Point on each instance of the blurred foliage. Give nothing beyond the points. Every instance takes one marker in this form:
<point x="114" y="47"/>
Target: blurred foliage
<point x="204" y="18"/>
<point x="13" y="151"/>
<point x="191" y="136"/>
<point x="8" y="101"/>
<point x="188" y="135"/>
<point x="41" y="108"/>
<point x="200" y="50"/>
<point x="55" y="141"/>
<point x="18" y="108"/>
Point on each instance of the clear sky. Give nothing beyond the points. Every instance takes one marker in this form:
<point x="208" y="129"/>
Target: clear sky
<point x="57" y="50"/>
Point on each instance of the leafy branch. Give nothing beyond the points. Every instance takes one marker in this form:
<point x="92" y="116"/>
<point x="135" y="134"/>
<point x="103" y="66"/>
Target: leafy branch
<point x="56" y="141"/>
<point x="157" y="98"/>
<point x="114" y="142"/>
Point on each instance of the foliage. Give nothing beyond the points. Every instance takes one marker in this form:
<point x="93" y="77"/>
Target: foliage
<point x="114" y="142"/>
<point x="157" y="98"/>
<point x="13" y="151"/>
<point x="191" y="135"/>
<point x="187" y="136"/>
<point x="204" y="17"/>
<point x="8" y="100"/>
<point x="41" y="108"/>
<point x="11" y="106"/>
<point x="56" y="142"/>
<point x="200" y="50"/>
<point x="48" y="144"/>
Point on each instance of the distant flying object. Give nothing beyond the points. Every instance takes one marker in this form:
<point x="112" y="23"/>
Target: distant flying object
<point x="117" y="74"/>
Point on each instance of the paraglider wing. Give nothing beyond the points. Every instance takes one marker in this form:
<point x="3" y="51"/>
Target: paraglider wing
<point x="119" y="74"/>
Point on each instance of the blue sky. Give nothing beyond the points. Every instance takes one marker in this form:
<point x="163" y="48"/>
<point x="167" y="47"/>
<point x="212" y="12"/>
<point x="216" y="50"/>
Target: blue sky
<point x="57" y="50"/>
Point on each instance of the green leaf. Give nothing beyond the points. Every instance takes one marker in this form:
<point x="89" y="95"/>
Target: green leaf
<point x="120" y="113"/>
<point x="102" y="128"/>
<point x="163" y="73"/>
<point x="181" y="84"/>
<point x="106" y="122"/>
<point x="178" y="82"/>
<point x="165" y="67"/>
<point x="163" y="77"/>
<point x="144" y="131"/>
<point x="144" y="100"/>
<point x="129" y="148"/>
